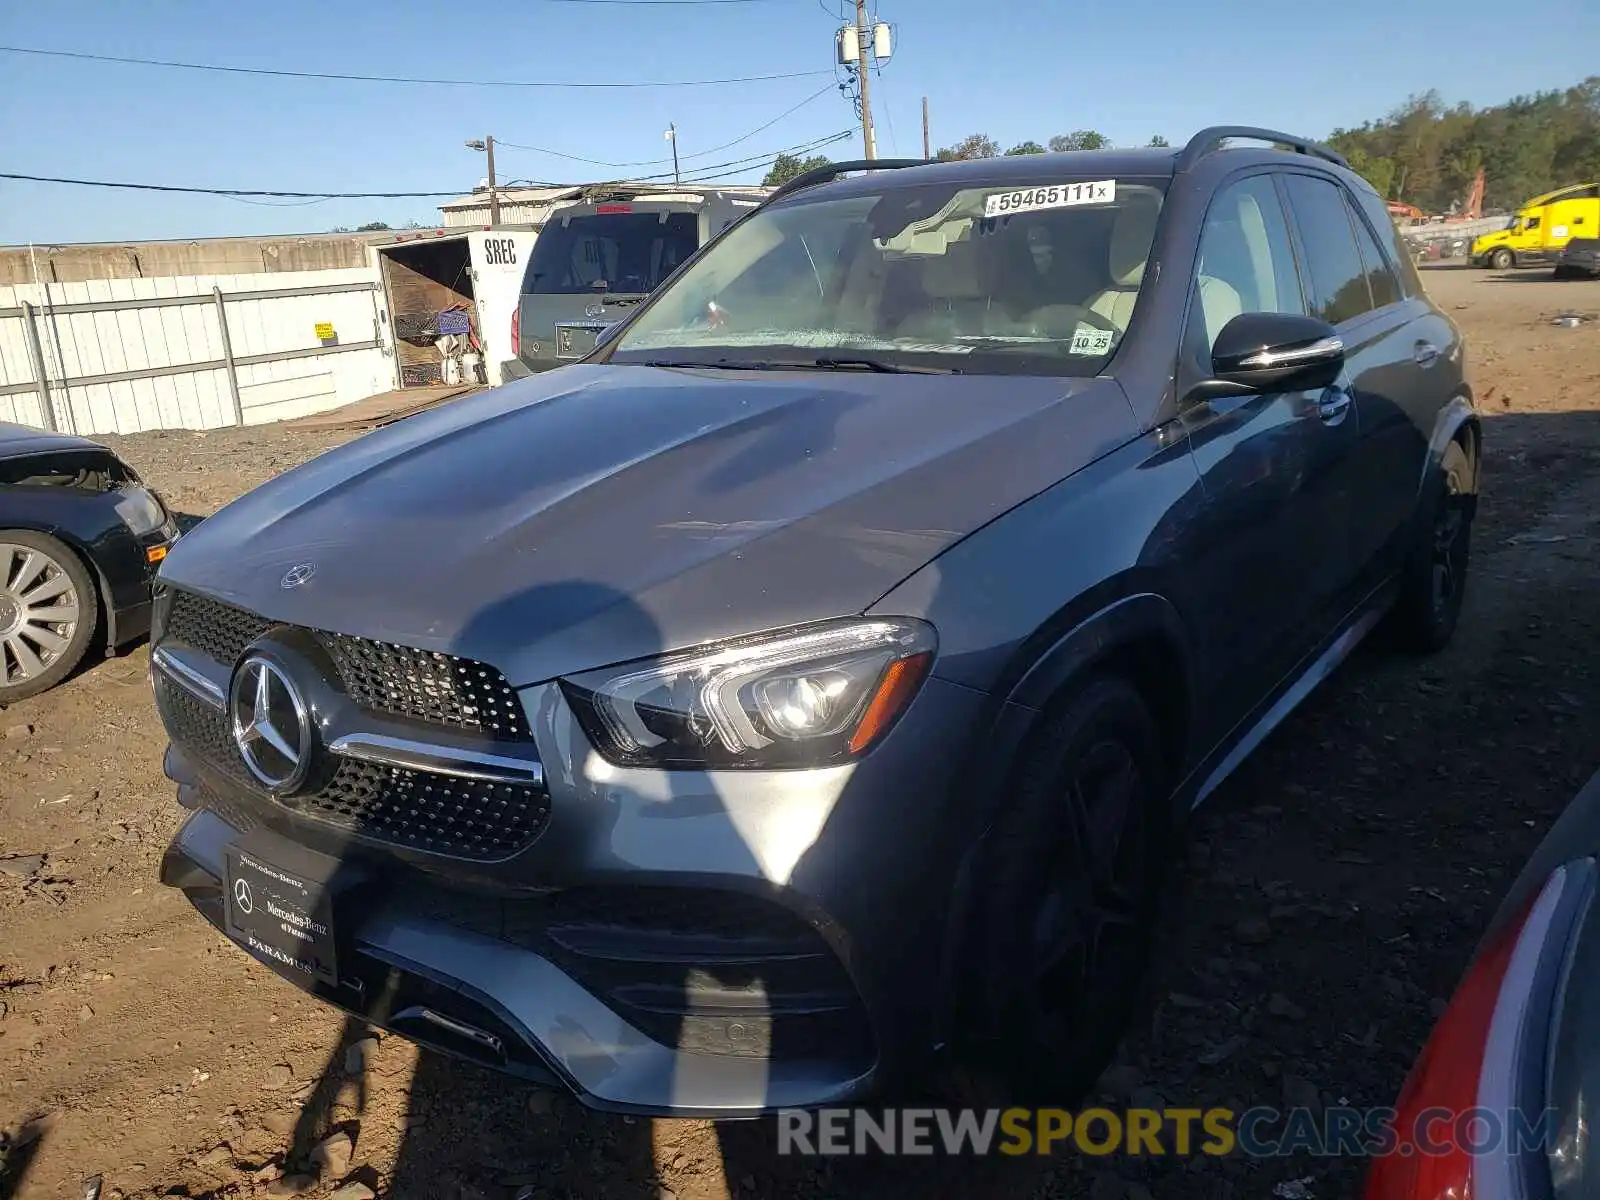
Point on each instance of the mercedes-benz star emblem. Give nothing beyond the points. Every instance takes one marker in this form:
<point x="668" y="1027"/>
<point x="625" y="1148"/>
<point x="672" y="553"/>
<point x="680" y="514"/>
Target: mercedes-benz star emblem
<point x="298" y="574"/>
<point x="595" y="310"/>
<point x="241" y="896"/>
<point x="271" y="724"/>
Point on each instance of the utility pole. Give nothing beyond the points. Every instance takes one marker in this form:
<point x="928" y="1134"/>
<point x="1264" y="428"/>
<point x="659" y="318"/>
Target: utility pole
<point x="494" y="195"/>
<point x="869" y="140"/>
<point x="487" y="146"/>
<point x="672" y="136"/>
<point x="926" y="153"/>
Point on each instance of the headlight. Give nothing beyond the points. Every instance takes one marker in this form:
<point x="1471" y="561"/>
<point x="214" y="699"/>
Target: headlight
<point x="140" y="511"/>
<point x="806" y="698"/>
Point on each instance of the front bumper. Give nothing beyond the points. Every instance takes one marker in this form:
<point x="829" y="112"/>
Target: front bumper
<point x="477" y="997"/>
<point x="720" y="944"/>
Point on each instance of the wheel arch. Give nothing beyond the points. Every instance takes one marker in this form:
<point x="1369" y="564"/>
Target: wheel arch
<point x="1139" y="637"/>
<point x="1458" y="421"/>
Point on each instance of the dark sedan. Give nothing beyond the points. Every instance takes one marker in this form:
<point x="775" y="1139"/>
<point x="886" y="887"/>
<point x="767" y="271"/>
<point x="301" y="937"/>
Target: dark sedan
<point x="80" y="536"/>
<point x="1500" y="1103"/>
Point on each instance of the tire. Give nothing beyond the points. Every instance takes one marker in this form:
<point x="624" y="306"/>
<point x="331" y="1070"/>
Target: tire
<point x="1051" y="1023"/>
<point x="40" y="647"/>
<point x="1501" y="259"/>
<point x="1434" y="580"/>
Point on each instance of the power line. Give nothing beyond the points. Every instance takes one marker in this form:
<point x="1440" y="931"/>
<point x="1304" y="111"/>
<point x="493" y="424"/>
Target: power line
<point x="652" y="162"/>
<point x="235" y="192"/>
<point x="500" y="83"/>
<point x="707" y="174"/>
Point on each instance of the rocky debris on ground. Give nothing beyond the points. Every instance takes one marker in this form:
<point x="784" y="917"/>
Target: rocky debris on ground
<point x="16" y="733"/>
<point x="279" y="1076"/>
<point x="220" y="1155"/>
<point x="332" y="1155"/>
<point x="358" y="1054"/>
<point x="354" y="1190"/>
<point x="22" y="866"/>
<point x="292" y="1185"/>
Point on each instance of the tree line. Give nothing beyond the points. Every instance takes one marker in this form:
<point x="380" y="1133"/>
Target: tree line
<point x="1425" y="152"/>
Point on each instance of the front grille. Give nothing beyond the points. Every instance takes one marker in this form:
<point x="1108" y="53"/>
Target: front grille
<point x="423" y="810"/>
<point x="199" y="729"/>
<point x="438" y="689"/>
<point x="427" y="686"/>
<point x="418" y="810"/>
<point x="219" y="631"/>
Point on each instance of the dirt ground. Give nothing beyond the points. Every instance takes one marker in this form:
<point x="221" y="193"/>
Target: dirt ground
<point x="1367" y="842"/>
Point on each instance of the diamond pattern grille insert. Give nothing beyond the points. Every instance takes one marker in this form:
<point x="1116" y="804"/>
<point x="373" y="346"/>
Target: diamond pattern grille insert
<point x="419" y="810"/>
<point x="423" y="685"/>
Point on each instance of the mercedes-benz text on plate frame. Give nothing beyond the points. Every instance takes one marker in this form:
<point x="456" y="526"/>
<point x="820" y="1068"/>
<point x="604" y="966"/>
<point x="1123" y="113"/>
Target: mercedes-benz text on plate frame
<point x="271" y="724"/>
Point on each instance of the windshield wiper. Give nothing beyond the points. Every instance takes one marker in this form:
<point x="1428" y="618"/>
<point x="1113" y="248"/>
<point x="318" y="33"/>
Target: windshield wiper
<point x="721" y="364"/>
<point x="835" y="362"/>
<point x="827" y="362"/>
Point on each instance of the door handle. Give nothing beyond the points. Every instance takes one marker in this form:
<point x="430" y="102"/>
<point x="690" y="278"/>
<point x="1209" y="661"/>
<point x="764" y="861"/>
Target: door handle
<point x="1333" y="405"/>
<point x="1426" y="354"/>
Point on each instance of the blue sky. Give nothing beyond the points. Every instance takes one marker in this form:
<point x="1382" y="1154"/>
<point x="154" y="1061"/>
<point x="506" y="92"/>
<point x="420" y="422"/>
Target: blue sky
<point x="1012" y="68"/>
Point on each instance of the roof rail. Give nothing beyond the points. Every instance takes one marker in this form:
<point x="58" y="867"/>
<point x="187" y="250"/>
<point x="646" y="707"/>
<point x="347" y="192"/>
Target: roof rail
<point x="1207" y="140"/>
<point x="833" y="170"/>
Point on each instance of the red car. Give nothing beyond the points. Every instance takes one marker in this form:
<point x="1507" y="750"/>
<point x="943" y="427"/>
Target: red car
<point x="1501" y="1103"/>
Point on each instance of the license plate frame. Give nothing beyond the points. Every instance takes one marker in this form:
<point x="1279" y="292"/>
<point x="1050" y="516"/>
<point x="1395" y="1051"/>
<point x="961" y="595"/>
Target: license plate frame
<point x="280" y="904"/>
<point x="575" y="339"/>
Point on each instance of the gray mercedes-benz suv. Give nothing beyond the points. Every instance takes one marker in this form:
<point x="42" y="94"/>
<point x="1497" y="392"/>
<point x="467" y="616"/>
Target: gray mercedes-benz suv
<point x="803" y="691"/>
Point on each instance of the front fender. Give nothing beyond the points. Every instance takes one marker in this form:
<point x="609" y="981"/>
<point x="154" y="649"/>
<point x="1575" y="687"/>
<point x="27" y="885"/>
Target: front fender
<point x="1129" y="620"/>
<point x="1142" y="628"/>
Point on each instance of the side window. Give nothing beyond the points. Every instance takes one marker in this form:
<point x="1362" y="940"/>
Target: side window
<point x="1381" y="279"/>
<point x="1246" y="260"/>
<point x="1338" y="277"/>
<point x="1533" y="222"/>
<point x="1389" y="234"/>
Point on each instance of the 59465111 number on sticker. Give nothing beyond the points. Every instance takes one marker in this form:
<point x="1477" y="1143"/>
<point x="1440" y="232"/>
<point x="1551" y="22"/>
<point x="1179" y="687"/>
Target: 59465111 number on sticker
<point x="1056" y="195"/>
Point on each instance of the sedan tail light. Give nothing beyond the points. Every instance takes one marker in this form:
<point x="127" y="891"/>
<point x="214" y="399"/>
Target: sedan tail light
<point x="516" y="331"/>
<point x="1487" y="1053"/>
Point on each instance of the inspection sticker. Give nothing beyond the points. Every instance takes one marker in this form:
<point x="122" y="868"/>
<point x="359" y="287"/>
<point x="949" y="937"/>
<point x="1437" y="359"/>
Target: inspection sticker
<point x="1088" y="340"/>
<point x="1057" y="195"/>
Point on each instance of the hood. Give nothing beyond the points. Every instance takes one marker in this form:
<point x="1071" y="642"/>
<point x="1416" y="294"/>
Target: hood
<point x="599" y="513"/>
<point x="17" y="440"/>
<point x="1498" y="238"/>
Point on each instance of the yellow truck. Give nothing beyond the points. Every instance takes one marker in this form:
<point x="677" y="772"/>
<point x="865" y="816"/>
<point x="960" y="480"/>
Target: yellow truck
<point x="1541" y="228"/>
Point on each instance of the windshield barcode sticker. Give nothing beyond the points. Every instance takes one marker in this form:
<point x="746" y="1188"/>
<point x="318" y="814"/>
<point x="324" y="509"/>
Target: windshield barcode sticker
<point x="1086" y="340"/>
<point x="1060" y="195"/>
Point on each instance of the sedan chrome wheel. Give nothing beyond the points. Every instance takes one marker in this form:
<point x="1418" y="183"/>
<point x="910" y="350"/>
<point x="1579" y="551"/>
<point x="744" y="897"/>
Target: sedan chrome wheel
<point x="39" y="612"/>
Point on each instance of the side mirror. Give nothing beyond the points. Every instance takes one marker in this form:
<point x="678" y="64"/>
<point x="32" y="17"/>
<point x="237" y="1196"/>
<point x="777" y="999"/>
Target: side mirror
<point x="1274" y="352"/>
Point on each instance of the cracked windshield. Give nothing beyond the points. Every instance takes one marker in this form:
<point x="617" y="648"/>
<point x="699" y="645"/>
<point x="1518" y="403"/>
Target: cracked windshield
<point x="1038" y="280"/>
